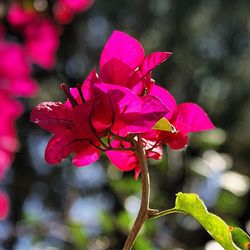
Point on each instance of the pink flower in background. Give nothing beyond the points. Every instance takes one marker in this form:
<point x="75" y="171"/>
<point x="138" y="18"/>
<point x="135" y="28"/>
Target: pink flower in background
<point x="10" y="111"/>
<point x="65" y="10"/>
<point x="18" y="16"/>
<point x="15" y="71"/>
<point x="41" y="35"/>
<point x="4" y="205"/>
<point x="42" y="42"/>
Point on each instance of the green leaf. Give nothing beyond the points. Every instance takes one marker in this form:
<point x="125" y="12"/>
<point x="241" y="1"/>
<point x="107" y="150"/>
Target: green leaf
<point x="191" y="204"/>
<point x="164" y="125"/>
<point x="215" y="226"/>
<point x="240" y="238"/>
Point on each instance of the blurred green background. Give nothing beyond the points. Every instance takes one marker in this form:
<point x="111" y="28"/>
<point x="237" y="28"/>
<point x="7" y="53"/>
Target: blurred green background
<point x="65" y="207"/>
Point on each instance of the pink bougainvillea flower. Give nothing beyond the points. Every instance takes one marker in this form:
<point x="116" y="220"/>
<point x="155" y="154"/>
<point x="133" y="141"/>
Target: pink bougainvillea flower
<point x="108" y="111"/>
<point x="10" y="110"/>
<point x="15" y="71"/>
<point x="64" y="10"/>
<point x="18" y="16"/>
<point x="41" y="35"/>
<point x="42" y="41"/>
<point x="127" y="160"/>
<point x="185" y="118"/>
<point x="132" y="114"/>
<point x="80" y="124"/>
<point x="4" y="205"/>
<point x="123" y="62"/>
<point x="72" y="132"/>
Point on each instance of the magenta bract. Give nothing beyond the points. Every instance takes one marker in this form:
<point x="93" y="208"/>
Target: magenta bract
<point x="109" y="110"/>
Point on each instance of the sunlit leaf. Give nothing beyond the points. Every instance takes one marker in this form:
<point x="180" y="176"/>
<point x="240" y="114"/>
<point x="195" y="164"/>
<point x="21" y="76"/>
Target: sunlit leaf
<point x="191" y="204"/>
<point x="216" y="227"/>
<point x="164" y="125"/>
<point x="240" y="238"/>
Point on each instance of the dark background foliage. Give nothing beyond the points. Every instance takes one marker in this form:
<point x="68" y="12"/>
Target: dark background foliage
<point x="65" y="207"/>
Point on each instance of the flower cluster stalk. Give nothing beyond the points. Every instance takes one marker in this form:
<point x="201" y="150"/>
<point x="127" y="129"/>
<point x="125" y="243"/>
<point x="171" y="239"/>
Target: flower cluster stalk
<point x="144" y="211"/>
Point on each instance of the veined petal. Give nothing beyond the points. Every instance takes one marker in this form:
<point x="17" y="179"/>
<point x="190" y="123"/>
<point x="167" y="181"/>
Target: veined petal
<point x="124" y="48"/>
<point x="82" y="119"/>
<point x="153" y="60"/>
<point x="123" y="160"/>
<point x="123" y="99"/>
<point x="102" y="114"/>
<point x="191" y="118"/>
<point x="116" y="71"/>
<point x="167" y="99"/>
<point x="132" y="114"/>
<point x="86" y="156"/>
<point x="177" y="140"/>
<point x="140" y="121"/>
<point x="88" y="85"/>
<point x="60" y="146"/>
<point x="52" y="116"/>
<point x="152" y="110"/>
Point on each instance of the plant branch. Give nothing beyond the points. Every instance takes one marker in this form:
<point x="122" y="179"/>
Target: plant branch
<point x="144" y="212"/>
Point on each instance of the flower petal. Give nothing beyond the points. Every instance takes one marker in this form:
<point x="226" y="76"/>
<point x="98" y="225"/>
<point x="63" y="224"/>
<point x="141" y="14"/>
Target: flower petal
<point x="123" y="99"/>
<point x="124" y="48"/>
<point x="123" y="160"/>
<point x="167" y="99"/>
<point x="152" y="110"/>
<point x="138" y="122"/>
<point x="102" y="114"/>
<point x="60" y="146"/>
<point x="88" y="155"/>
<point x="4" y="205"/>
<point x="153" y="60"/>
<point x="88" y="85"/>
<point x="177" y="140"/>
<point x="132" y="114"/>
<point x="151" y="150"/>
<point x="115" y="71"/>
<point x="191" y="118"/>
<point x="52" y="116"/>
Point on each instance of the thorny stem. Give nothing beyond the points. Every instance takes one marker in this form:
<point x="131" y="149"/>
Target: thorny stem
<point x="145" y="212"/>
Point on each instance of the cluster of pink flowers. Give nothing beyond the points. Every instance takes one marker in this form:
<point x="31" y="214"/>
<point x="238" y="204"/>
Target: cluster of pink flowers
<point x="108" y="111"/>
<point x="40" y="33"/>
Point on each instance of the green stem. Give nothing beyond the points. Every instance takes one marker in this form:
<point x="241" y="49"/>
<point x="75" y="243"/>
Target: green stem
<point x="166" y="212"/>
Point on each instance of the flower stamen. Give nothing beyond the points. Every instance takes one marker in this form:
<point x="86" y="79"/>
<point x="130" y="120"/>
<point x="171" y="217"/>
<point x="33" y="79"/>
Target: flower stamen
<point x="79" y="88"/>
<point x="68" y="94"/>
